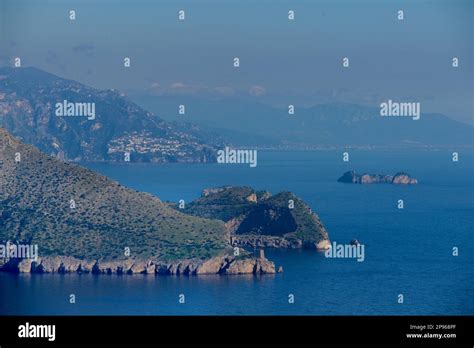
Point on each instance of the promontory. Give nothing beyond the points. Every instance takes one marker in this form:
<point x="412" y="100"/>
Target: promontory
<point x="84" y="222"/>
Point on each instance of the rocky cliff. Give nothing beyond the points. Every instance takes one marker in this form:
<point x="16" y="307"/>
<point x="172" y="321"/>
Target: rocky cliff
<point x="400" y="178"/>
<point x="260" y="219"/>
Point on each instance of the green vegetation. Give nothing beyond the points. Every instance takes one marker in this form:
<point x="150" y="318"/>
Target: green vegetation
<point x="71" y="211"/>
<point x="222" y="204"/>
<point x="35" y="206"/>
<point x="249" y="212"/>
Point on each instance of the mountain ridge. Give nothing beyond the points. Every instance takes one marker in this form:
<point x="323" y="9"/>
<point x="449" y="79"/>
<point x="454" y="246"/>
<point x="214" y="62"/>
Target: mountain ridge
<point x="29" y="96"/>
<point x="329" y="125"/>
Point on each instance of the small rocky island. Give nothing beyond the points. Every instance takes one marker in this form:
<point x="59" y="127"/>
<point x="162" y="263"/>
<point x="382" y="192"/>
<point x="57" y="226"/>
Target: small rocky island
<point x="84" y="222"/>
<point x="400" y="178"/>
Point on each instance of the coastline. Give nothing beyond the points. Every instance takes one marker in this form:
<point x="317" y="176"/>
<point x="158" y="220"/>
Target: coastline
<point x="224" y="265"/>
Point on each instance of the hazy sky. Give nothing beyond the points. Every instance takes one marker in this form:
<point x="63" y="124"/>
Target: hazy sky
<point x="282" y="61"/>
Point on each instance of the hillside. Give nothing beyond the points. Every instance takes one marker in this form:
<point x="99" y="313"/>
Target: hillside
<point x="258" y="218"/>
<point x="29" y="100"/>
<point x="35" y="207"/>
<point x="84" y="222"/>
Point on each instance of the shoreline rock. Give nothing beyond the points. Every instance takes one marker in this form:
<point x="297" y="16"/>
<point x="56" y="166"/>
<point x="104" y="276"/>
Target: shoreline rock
<point x="224" y="265"/>
<point x="400" y="178"/>
<point x="261" y="241"/>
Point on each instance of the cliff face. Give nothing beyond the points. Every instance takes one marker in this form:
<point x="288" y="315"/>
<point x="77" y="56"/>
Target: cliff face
<point x="404" y="179"/>
<point x="225" y="265"/>
<point x="259" y="219"/>
<point x="29" y="101"/>
<point x="399" y="178"/>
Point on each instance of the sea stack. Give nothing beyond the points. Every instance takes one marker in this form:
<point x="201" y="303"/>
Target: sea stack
<point x="400" y="178"/>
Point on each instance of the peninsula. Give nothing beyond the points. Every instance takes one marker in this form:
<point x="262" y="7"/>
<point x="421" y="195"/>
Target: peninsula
<point x="84" y="222"/>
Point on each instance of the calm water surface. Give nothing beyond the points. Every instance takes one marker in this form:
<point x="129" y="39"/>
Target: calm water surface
<point x="407" y="251"/>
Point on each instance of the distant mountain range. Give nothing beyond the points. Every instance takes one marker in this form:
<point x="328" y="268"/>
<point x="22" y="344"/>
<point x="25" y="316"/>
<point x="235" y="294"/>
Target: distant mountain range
<point x="245" y="122"/>
<point x="31" y="108"/>
<point x="34" y="107"/>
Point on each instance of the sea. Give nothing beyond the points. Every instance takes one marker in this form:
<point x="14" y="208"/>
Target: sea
<point x="418" y="260"/>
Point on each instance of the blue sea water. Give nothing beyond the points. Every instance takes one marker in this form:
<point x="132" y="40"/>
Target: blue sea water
<point x="408" y="252"/>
